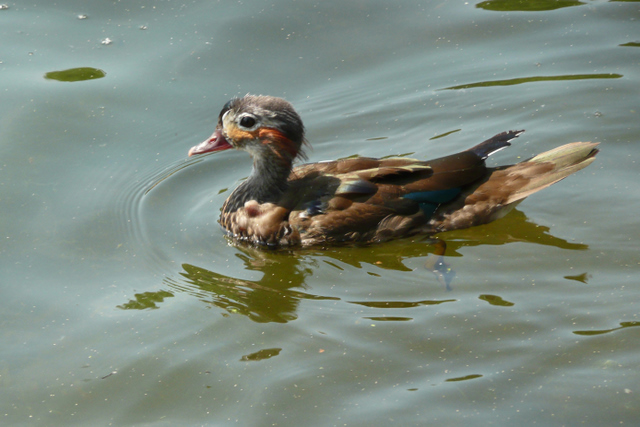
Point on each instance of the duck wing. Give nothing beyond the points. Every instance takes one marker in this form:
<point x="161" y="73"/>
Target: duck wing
<point x="365" y="199"/>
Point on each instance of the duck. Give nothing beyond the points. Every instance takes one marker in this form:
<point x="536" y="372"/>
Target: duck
<point x="364" y="200"/>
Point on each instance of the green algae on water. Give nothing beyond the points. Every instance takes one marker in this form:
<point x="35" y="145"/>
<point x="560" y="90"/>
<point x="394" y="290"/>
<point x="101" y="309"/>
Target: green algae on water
<point x="75" y="74"/>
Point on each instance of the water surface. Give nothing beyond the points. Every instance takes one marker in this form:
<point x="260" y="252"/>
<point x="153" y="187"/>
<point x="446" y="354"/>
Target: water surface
<point x="124" y="304"/>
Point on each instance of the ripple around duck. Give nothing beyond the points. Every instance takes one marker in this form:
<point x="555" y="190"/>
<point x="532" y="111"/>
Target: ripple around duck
<point x="142" y="213"/>
<point x="170" y="214"/>
<point x="129" y="207"/>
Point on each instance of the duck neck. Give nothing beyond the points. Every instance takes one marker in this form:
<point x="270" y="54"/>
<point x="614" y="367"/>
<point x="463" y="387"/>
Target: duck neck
<point x="266" y="183"/>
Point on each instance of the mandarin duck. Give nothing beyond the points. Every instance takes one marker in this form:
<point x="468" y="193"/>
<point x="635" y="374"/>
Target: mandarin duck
<point x="365" y="199"/>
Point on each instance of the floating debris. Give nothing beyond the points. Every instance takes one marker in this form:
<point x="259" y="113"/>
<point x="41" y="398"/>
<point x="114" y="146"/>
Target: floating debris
<point x="143" y="27"/>
<point x="109" y="374"/>
<point x="107" y="41"/>
<point x="82" y="16"/>
<point x="584" y="277"/>
<point x="75" y="74"/>
<point x="4" y="6"/>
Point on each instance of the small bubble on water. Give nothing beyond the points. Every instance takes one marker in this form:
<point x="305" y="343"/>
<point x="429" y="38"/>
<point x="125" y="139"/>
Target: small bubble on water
<point x="143" y="27"/>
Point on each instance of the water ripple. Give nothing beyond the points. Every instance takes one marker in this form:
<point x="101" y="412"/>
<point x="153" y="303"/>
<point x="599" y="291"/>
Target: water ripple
<point x="149" y="208"/>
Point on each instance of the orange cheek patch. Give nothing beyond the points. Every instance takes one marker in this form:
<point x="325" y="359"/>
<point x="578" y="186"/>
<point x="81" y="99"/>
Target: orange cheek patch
<point x="275" y="137"/>
<point x="268" y="135"/>
<point x="236" y="134"/>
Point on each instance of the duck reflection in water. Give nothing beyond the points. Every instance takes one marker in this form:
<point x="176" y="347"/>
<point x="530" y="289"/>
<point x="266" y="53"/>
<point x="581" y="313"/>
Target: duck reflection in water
<point x="275" y="296"/>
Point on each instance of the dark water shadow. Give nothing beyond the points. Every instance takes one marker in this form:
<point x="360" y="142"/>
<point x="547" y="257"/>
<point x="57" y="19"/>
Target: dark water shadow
<point x="275" y="296"/>
<point x="526" y="5"/>
<point x="515" y="227"/>
<point x="523" y="80"/>
<point x="623" y="325"/>
<point x="263" y="354"/>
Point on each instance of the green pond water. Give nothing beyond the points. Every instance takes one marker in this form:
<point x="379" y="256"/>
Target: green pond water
<point x="124" y="304"/>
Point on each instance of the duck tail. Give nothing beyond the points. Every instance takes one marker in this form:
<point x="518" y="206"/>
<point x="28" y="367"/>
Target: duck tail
<point x="552" y="166"/>
<point x="506" y="186"/>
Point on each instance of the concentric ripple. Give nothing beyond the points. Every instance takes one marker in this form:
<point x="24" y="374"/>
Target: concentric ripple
<point x="170" y="214"/>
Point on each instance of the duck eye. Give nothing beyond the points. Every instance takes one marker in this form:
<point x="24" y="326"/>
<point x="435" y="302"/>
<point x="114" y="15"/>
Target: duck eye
<point x="247" y="122"/>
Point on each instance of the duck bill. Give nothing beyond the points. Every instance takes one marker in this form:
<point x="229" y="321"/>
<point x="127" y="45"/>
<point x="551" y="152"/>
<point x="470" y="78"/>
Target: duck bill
<point x="217" y="142"/>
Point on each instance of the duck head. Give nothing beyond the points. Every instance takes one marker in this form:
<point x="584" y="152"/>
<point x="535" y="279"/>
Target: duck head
<point x="266" y="127"/>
